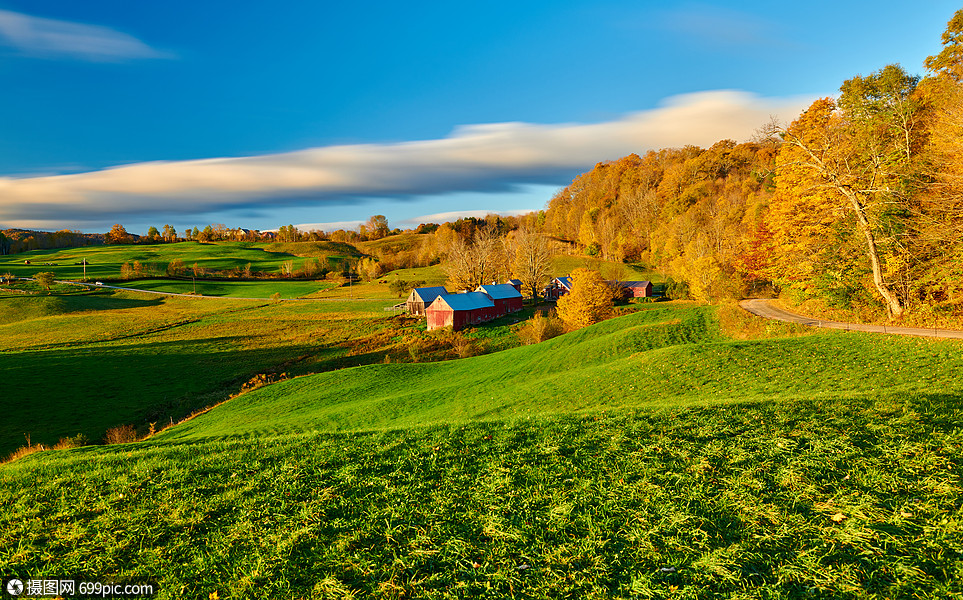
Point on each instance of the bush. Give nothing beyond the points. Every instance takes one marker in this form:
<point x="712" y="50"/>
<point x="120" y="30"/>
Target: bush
<point x="122" y="434"/>
<point x="463" y="346"/>
<point x="72" y="442"/>
<point x="540" y="328"/>
<point x="676" y="290"/>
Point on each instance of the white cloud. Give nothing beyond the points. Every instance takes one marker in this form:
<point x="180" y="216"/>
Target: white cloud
<point x="38" y="36"/>
<point x="489" y="157"/>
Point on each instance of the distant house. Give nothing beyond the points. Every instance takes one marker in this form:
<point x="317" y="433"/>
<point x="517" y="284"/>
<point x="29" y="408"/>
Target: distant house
<point x="637" y="289"/>
<point x="558" y="288"/>
<point x="516" y="283"/>
<point x="458" y="310"/>
<point x="507" y="299"/>
<point x="420" y="298"/>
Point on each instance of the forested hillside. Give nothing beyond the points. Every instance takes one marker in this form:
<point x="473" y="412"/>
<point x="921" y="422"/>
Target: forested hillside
<point x="858" y="203"/>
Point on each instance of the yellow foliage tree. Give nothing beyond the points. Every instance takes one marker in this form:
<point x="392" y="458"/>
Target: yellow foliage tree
<point x="590" y="300"/>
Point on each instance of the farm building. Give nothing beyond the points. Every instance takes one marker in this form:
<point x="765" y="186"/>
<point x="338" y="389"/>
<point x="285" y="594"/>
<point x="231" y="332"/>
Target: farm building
<point x="420" y="298"/>
<point x="506" y="298"/>
<point x="637" y="289"/>
<point x="516" y="283"/>
<point x="458" y="310"/>
<point x="558" y="288"/>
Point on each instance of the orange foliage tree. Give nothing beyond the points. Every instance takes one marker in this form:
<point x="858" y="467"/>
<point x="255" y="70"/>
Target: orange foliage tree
<point x="590" y="300"/>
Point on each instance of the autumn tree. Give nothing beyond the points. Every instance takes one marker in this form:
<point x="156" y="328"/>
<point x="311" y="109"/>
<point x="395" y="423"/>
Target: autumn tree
<point x="859" y="158"/>
<point x="45" y="279"/>
<point x="117" y="235"/>
<point x="377" y="227"/>
<point x="369" y="268"/>
<point x="590" y="300"/>
<point x="531" y="257"/>
<point x="152" y="233"/>
<point x="169" y="233"/>
<point x="471" y="264"/>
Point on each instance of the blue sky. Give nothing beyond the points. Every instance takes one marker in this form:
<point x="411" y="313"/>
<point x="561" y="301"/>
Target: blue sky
<point x="259" y="114"/>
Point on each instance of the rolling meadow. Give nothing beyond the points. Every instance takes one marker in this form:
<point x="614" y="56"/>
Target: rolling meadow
<point x="676" y="451"/>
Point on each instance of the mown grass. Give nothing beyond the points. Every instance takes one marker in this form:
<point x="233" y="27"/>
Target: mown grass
<point x="853" y="498"/>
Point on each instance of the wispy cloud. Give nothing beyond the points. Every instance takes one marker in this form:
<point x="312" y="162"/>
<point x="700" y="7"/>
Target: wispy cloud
<point x="490" y="157"/>
<point x="717" y="26"/>
<point x="51" y="38"/>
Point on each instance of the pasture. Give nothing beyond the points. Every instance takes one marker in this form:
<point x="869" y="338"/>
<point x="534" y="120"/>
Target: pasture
<point x="649" y="456"/>
<point x="85" y="363"/>
<point x="105" y="262"/>
<point x="234" y="289"/>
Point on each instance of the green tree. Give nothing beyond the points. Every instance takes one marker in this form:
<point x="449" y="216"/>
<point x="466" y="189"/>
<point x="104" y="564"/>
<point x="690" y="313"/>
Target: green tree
<point x="590" y="300"/>
<point x="152" y="233"/>
<point x="45" y="279"/>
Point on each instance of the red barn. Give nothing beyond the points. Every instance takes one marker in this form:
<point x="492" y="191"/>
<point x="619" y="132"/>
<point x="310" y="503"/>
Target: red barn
<point x="506" y="298"/>
<point x="458" y="310"/>
<point x="558" y="288"/>
<point x="637" y="289"/>
<point x="421" y="298"/>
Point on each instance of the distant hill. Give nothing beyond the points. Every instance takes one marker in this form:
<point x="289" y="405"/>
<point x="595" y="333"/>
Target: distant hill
<point x="14" y="241"/>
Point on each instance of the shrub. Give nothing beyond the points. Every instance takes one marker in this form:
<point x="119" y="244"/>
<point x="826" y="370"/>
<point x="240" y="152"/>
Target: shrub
<point x="463" y="346"/>
<point x="540" y="328"/>
<point x="72" y="442"/>
<point x="122" y="434"/>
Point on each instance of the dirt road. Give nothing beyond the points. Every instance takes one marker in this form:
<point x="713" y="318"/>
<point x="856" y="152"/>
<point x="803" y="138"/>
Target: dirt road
<point x="766" y="309"/>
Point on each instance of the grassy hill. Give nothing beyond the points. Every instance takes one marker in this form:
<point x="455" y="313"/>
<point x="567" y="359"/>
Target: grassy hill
<point x="657" y="357"/>
<point x="234" y="289"/>
<point x="104" y="262"/>
<point x="83" y="363"/>
<point x="646" y="457"/>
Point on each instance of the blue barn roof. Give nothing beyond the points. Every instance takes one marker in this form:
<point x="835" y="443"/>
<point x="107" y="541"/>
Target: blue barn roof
<point x="467" y="301"/>
<point x="428" y="294"/>
<point x="500" y="291"/>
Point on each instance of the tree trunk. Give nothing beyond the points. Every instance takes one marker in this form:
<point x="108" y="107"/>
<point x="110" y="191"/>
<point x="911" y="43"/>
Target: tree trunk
<point x="893" y="304"/>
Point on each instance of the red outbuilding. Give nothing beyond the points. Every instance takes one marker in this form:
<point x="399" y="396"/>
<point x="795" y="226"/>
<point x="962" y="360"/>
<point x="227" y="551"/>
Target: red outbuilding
<point x="558" y="287"/>
<point x="459" y="310"/>
<point x="506" y="298"/>
<point x="637" y="289"/>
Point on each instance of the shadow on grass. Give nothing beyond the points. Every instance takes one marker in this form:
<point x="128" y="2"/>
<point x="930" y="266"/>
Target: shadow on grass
<point x="63" y="392"/>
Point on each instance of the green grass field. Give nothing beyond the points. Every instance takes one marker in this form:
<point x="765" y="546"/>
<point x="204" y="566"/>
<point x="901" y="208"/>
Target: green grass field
<point x="84" y="363"/>
<point x="234" y="289"/>
<point x="563" y="265"/>
<point x="649" y="456"/>
<point x="104" y="262"/>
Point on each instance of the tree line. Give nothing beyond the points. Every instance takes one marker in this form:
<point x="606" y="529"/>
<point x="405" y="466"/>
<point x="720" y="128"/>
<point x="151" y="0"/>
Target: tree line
<point x="857" y="203"/>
